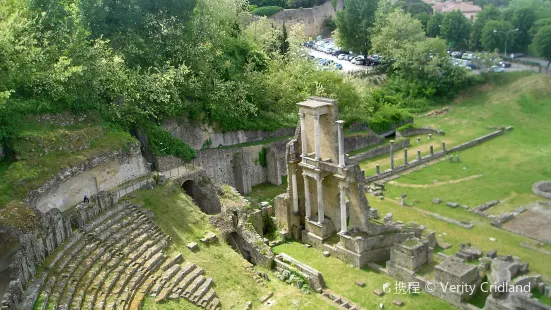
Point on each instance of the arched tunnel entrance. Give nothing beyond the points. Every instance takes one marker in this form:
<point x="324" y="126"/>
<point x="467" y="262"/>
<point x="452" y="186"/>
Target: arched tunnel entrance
<point x="197" y="195"/>
<point x="8" y="248"/>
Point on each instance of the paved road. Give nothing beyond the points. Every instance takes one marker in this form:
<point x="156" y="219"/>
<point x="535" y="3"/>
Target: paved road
<point x="346" y="65"/>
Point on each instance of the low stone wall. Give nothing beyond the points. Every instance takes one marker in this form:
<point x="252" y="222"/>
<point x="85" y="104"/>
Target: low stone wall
<point x="418" y="131"/>
<point x="312" y="18"/>
<point x="428" y="158"/>
<point x="542" y="189"/>
<point x="314" y="277"/>
<point x="359" y="141"/>
<point x="238" y="167"/>
<point x="381" y="150"/>
<point x="98" y="174"/>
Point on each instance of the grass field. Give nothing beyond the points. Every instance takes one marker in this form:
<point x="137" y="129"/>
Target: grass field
<point x="178" y="217"/>
<point x="340" y="278"/>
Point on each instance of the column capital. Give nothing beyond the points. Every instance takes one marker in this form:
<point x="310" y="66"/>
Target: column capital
<point x="340" y="122"/>
<point x="316" y="116"/>
<point x="391" y="141"/>
<point x="301" y="115"/>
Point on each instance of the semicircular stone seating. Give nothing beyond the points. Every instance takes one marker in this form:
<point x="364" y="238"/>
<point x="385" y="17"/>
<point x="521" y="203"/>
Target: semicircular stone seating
<point x="114" y="262"/>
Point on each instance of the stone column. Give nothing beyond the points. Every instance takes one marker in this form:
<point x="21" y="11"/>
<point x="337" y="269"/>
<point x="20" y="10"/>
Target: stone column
<point x="418" y="154"/>
<point x="378" y="169"/>
<point x="317" y="136"/>
<point x="430" y="136"/>
<point x="391" y="155"/>
<point x="340" y="135"/>
<point x="303" y="135"/>
<point x="444" y="147"/>
<point x="321" y="214"/>
<point x="295" y="191"/>
<point x="431" y="150"/>
<point x="344" y="228"/>
<point x="406" y="156"/>
<point x="307" y="197"/>
<point x="418" y="139"/>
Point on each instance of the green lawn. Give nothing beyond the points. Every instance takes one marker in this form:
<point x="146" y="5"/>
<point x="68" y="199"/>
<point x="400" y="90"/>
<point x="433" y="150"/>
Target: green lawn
<point x="341" y="277"/>
<point x="266" y="192"/>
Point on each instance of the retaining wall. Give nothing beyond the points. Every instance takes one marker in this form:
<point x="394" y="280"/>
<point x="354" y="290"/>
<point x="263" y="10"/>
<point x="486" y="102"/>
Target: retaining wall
<point x="311" y="18"/>
<point x="359" y="141"/>
<point x="418" y="131"/>
<point x="239" y="167"/>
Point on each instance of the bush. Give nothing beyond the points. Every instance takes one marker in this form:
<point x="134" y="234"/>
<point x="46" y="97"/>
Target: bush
<point x="267" y="10"/>
<point x="262" y="160"/>
<point x="405" y="127"/>
<point x="164" y="144"/>
<point x="387" y="117"/>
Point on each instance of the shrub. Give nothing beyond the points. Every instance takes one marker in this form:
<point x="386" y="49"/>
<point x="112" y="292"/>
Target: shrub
<point x="267" y="10"/>
<point x="164" y="144"/>
<point x="262" y="157"/>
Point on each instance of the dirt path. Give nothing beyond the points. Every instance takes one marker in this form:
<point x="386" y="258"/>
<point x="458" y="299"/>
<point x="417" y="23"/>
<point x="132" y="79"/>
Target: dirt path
<point x="436" y="183"/>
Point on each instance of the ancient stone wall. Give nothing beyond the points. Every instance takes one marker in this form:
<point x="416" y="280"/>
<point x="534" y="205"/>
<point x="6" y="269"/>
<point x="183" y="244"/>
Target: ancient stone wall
<point x="203" y="136"/>
<point x="359" y="141"/>
<point x="97" y="174"/>
<point x="314" y="277"/>
<point x="311" y="18"/>
<point x="238" y="167"/>
<point x="417" y="132"/>
<point x="381" y="150"/>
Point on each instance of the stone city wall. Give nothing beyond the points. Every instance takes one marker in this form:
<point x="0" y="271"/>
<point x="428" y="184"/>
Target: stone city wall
<point x="381" y="150"/>
<point x="91" y="177"/>
<point x="203" y="136"/>
<point x="312" y="18"/>
<point x="418" y="131"/>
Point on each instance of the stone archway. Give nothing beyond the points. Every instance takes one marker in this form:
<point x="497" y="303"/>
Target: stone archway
<point x="199" y="198"/>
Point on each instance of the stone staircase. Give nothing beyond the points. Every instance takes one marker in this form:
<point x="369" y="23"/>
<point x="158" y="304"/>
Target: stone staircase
<point x="114" y="262"/>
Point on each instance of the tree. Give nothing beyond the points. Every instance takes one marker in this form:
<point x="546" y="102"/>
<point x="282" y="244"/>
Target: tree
<point x="496" y="34"/>
<point x="542" y="44"/>
<point x="523" y="20"/>
<point x="423" y="18"/>
<point x="399" y="32"/>
<point x="489" y="12"/>
<point x="284" y="44"/>
<point x="455" y="28"/>
<point x="355" y="23"/>
<point x="434" y="24"/>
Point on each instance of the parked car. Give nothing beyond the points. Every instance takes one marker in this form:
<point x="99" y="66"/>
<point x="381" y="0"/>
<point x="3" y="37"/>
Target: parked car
<point x="374" y="60"/>
<point x="350" y="57"/>
<point x="338" y="66"/>
<point x="360" y="60"/>
<point x="457" y="54"/>
<point x="505" y="64"/>
<point x="342" y="56"/>
<point x="496" y="69"/>
<point x="471" y="65"/>
<point x="338" y="52"/>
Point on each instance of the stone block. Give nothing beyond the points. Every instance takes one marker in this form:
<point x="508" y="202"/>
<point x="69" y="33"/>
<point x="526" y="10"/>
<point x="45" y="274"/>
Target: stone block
<point x="193" y="246"/>
<point x="492" y="254"/>
<point x="452" y="204"/>
<point x="398" y="302"/>
<point x="445" y="245"/>
<point x="437" y="201"/>
<point x="326" y="253"/>
<point x="465" y="207"/>
<point x="378" y="292"/>
<point x="360" y="283"/>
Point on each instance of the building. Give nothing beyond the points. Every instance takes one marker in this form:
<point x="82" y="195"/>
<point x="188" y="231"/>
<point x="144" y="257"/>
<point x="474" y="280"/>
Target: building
<point x="468" y="9"/>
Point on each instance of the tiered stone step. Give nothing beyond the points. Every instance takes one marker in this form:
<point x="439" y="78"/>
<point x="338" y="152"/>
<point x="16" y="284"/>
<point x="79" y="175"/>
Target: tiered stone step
<point x="114" y="244"/>
<point x="67" y="253"/>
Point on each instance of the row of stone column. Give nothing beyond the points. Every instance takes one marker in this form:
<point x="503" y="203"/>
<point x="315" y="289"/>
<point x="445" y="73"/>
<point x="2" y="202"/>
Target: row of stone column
<point x="304" y="139"/>
<point x="406" y="155"/>
<point x="319" y="188"/>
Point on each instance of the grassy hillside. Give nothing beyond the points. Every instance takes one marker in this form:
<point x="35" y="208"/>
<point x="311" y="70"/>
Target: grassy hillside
<point x="178" y="217"/>
<point x="48" y="143"/>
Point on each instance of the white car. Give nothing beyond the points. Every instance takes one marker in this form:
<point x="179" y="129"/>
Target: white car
<point x="496" y="69"/>
<point x="341" y="56"/>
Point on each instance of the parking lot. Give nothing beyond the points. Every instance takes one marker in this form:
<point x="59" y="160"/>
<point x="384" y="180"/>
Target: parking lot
<point x="346" y="65"/>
